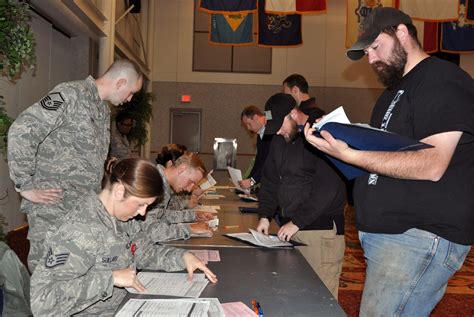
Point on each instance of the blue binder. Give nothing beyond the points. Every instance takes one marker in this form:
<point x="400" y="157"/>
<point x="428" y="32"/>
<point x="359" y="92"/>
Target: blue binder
<point x="367" y="139"/>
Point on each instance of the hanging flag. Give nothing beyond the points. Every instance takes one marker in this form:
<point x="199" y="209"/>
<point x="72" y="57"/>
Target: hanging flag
<point x="458" y="36"/>
<point x="357" y="11"/>
<point x="275" y="30"/>
<point x="431" y="10"/>
<point x="280" y="6"/>
<point x="428" y="35"/>
<point x="470" y="11"/>
<point x="228" y="6"/>
<point x="231" y="29"/>
<point x="295" y="6"/>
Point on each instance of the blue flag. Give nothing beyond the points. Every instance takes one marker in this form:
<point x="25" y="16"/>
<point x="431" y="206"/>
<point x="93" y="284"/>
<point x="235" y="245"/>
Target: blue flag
<point x="228" y="6"/>
<point x="231" y="29"/>
<point x="276" y="30"/>
<point x="458" y="36"/>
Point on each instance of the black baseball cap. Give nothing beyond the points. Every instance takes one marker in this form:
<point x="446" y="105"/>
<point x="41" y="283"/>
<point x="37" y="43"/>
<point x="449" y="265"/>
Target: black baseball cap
<point x="379" y="19"/>
<point x="276" y="108"/>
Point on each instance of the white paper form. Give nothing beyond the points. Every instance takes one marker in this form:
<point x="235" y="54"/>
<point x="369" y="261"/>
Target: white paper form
<point x="269" y="240"/>
<point x="171" y="284"/>
<point x="235" y="175"/>
<point x="260" y="239"/>
<point x="209" y="182"/>
<point x="199" y="307"/>
<point x="338" y="115"/>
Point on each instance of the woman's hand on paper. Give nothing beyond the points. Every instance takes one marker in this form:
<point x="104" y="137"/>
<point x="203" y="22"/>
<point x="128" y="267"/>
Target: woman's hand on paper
<point x="193" y="263"/>
<point x="127" y="278"/>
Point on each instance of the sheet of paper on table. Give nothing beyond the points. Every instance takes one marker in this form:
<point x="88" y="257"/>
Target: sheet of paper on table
<point x="171" y="284"/>
<point x="207" y="255"/>
<point x="212" y="196"/>
<point x="206" y="208"/>
<point x="260" y="239"/>
<point x="237" y="309"/>
<point x="195" y="307"/>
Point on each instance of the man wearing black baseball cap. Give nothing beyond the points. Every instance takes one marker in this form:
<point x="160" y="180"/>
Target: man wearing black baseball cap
<point x="415" y="209"/>
<point x="302" y="192"/>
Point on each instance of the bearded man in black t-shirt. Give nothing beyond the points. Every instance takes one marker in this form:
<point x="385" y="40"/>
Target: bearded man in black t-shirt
<point x="415" y="209"/>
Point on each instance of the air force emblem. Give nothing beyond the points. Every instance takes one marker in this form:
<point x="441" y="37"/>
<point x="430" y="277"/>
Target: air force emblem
<point x="52" y="101"/>
<point x="53" y="260"/>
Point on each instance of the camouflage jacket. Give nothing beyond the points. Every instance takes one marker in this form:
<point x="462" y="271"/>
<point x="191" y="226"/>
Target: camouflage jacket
<point x="76" y="275"/>
<point x="165" y="224"/>
<point x="119" y="144"/>
<point x="61" y="141"/>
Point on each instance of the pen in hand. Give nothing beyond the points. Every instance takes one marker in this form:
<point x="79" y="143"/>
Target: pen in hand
<point x="133" y="248"/>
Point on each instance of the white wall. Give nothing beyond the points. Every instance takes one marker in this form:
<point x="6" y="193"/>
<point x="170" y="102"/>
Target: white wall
<point x="59" y="59"/>
<point x="321" y="59"/>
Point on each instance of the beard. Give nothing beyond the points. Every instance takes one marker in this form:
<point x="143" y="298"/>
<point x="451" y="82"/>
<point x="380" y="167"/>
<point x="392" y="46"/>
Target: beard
<point x="293" y="133"/>
<point x="390" y="74"/>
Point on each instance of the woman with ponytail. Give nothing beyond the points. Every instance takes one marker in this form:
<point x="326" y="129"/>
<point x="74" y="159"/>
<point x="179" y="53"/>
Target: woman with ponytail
<point x="93" y="255"/>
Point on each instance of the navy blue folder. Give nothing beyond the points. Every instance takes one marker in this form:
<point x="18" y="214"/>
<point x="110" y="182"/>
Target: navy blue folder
<point x="367" y="139"/>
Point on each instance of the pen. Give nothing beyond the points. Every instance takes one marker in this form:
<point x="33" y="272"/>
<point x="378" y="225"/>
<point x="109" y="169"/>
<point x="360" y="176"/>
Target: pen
<point x="133" y="248"/>
<point x="254" y="306"/>
<point x="260" y="311"/>
<point x="231" y="227"/>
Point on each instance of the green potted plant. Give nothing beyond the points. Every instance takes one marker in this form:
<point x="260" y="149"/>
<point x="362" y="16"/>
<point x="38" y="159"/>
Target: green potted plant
<point x="17" y="51"/>
<point x="140" y="109"/>
<point x="5" y="122"/>
<point x="17" y="42"/>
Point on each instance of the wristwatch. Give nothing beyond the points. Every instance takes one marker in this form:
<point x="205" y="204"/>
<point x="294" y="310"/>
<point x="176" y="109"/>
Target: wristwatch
<point x="252" y="181"/>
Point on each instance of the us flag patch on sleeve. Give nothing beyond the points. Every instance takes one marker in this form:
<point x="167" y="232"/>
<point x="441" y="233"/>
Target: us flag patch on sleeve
<point x="52" y="101"/>
<point x="53" y="260"/>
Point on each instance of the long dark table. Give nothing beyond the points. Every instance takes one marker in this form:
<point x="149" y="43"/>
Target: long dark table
<point x="279" y="279"/>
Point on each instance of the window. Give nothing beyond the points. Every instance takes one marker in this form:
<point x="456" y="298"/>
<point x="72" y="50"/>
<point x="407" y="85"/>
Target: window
<point x="231" y="59"/>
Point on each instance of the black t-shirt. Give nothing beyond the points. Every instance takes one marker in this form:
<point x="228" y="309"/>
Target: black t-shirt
<point x="434" y="97"/>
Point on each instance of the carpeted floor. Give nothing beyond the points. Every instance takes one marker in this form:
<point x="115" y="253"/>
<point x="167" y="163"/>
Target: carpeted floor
<point x="458" y="300"/>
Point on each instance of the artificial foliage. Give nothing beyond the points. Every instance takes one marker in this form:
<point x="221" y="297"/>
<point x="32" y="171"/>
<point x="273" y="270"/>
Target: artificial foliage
<point x="140" y="110"/>
<point x="5" y="122"/>
<point x="17" y="42"/>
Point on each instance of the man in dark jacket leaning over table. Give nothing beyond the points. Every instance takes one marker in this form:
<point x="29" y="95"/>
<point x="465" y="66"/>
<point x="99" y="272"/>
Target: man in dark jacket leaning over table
<point x="303" y="192"/>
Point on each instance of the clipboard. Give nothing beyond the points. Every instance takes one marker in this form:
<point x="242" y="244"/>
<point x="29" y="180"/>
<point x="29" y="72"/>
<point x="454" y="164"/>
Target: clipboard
<point x="362" y="137"/>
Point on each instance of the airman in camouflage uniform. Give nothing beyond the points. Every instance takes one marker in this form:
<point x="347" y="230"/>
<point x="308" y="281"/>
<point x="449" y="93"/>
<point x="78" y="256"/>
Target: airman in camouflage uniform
<point x="57" y="147"/>
<point x="166" y="224"/>
<point x="76" y="275"/>
<point x="119" y="143"/>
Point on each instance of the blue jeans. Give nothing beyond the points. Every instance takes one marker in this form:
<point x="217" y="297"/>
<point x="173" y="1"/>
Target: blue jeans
<point x="407" y="273"/>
